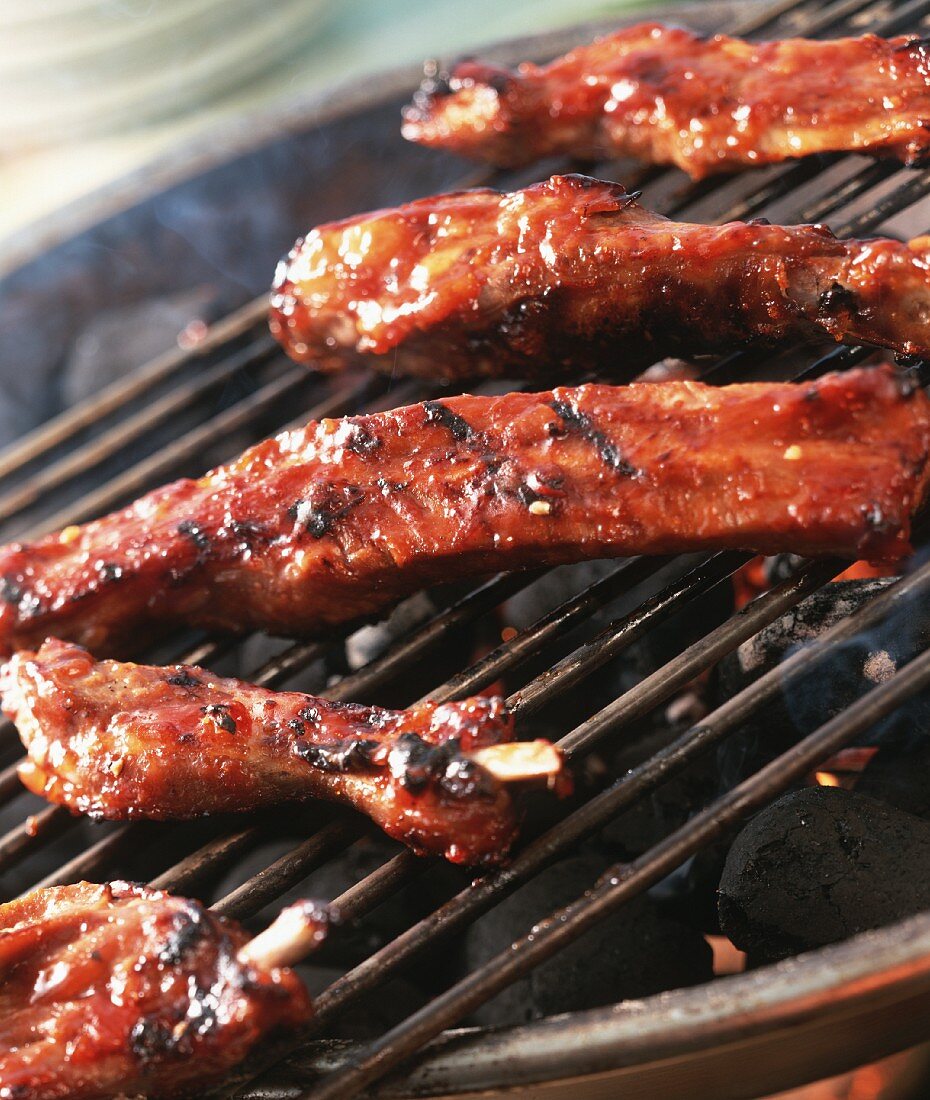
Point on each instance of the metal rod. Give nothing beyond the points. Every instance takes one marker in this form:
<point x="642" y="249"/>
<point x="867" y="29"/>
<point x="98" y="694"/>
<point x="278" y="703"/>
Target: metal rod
<point x="88" y="864"/>
<point x="56" y="475"/>
<point x="272" y="881"/>
<point x="624" y="631"/>
<point x="188" y="872"/>
<point x="93" y="409"/>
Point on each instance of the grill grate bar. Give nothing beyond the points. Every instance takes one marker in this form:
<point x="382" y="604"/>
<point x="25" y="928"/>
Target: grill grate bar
<point x="903" y="20"/>
<point x="118" y="840"/>
<point x="76" y="464"/>
<point x="88" y="413"/>
<point x="910" y="192"/>
<point x="186" y="874"/>
<point x="621" y="633"/>
<point x="287" y="871"/>
<point x="528" y="642"/>
<point x="405" y="654"/>
<point x="848" y="192"/>
<point x="40" y="828"/>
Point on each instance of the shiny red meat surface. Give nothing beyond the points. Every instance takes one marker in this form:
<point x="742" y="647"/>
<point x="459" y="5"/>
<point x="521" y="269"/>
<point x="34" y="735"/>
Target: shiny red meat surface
<point x="337" y="521"/>
<point x="132" y="741"/>
<point x="574" y="275"/>
<point x="114" y="990"/>
<point x="668" y="96"/>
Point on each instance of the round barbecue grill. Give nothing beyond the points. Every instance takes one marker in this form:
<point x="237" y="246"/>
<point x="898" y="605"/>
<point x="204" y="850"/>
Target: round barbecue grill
<point x="219" y="216"/>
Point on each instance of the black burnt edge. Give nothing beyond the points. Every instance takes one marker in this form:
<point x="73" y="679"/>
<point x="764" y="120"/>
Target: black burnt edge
<point x="361" y="441"/>
<point x="914" y="42"/>
<point x="416" y="764"/>
<point x="837" y="299"/>
<point x="153" y="1039"/>
<point x="219" y="712"/>
<point x="109" y="572"/>
<point x="183" y="678"/>
<point x="192" y="530"/>
<point x="351" y="754"/>
<point x="319" y="518"/>
<point x="190" y="927"/>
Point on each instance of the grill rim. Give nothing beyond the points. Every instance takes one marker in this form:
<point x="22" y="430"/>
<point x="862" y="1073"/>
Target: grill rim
<point x="770" y="1002"/>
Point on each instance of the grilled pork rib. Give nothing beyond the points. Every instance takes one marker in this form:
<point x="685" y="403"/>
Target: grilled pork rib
<point x="337" y="521"/>
<point x="131" y="741"/>
<point x="573" y="274"/>
<point x="668" y="96"/>
<point x="113" y="990"/>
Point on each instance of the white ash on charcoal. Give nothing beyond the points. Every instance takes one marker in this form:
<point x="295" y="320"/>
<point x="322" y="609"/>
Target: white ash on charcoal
<point x="819" y="865"/>
<point x="634" y="953"/>
<point x="852" y="667"/>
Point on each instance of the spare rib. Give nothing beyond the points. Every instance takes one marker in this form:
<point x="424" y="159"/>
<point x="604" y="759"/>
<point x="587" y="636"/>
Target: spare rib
<point x="335" y="522"/>
<point x="574" y="275"/>
<point x="667" y="96"/>
<point x="130" y="741"/>
<point x="113" y="990"/>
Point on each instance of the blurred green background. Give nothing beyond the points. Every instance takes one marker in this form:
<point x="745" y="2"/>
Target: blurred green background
<point x="93" y="89"/>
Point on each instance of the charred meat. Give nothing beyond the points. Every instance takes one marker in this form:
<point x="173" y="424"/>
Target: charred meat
<point x="113" y="990"/>
<point x="573" y="274"/>
<point x="131" y="741"/>
<point x="667" y="96"/>
<point x="337" y="521"/>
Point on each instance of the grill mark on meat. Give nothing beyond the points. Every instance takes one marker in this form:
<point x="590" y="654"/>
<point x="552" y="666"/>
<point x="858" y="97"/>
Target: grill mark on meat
<point x="578" y="423"/>
<point x="183" y="678"/>
<point x="188" y="929"/>
<point x="438" y="413"/>
<point x="220" y="714"/>
<point x="192" y="530"/>
<point x="361" y="440"/>
<point x="320" y="517"/>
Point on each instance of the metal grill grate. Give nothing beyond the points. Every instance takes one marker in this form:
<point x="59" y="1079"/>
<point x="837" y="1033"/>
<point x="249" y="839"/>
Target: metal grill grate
<point x="61" y="474"/>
